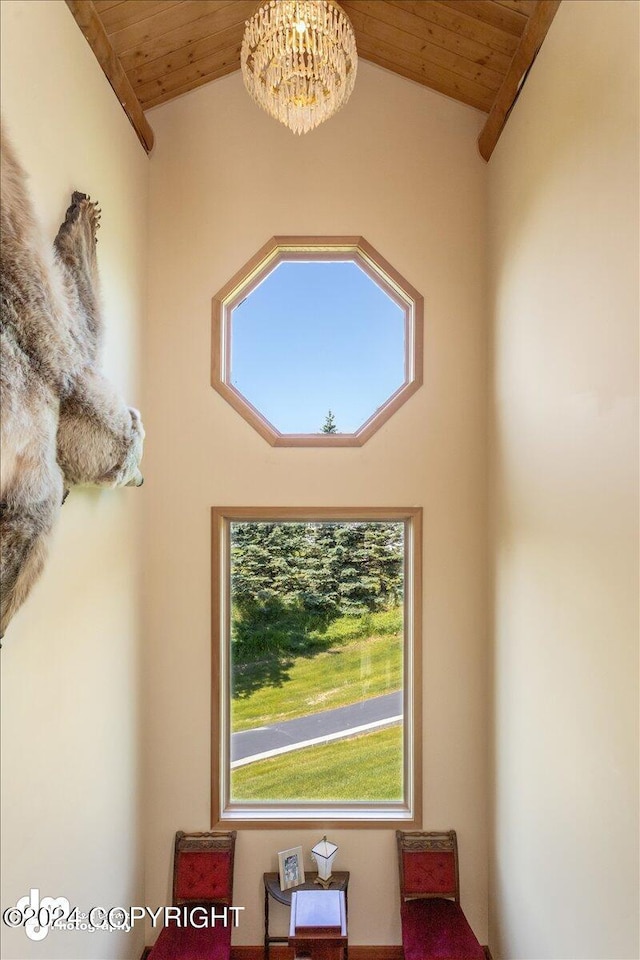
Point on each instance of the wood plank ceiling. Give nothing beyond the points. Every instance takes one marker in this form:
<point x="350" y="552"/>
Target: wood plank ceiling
<point x="155" y="50"/>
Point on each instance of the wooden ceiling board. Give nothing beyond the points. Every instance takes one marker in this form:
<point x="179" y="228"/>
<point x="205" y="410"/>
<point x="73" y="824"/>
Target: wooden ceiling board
<point x="492" y="13"/>
<point x="475" y="51"/>
<point x="165" y="88"/>
<point x="404" y="29"/>
<point x="124" y="14"/>
<point x="222" y="71"/>
<point x="522" y="6"/>
<point x="456" y="73"/>
<point x="102" y="5"/>
<point x="191" y="53"/>
<point x="411" y="29"/>
<point x="170" y="18"/>
<point x="212" y="23"/>
<point x="461" y="24"/>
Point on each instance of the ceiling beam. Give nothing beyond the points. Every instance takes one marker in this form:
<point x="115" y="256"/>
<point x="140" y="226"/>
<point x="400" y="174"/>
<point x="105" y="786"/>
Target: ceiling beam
<point x="86" y="16"/>
<point x="530" y="43"/>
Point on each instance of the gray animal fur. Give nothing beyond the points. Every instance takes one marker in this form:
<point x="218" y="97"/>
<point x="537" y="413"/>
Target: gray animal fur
<point x="61" y="422"/>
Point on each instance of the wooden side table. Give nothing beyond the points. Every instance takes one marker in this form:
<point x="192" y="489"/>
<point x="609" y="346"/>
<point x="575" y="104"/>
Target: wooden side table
<point x="340" y="881"/>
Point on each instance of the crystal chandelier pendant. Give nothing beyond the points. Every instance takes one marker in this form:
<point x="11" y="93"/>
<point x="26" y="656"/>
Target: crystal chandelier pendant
<point x="299" y="60"/>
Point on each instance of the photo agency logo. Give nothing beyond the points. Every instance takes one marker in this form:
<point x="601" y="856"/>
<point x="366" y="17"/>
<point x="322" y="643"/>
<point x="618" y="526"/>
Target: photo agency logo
<point x="35" y="915"/>
<point x="39" y="916"/>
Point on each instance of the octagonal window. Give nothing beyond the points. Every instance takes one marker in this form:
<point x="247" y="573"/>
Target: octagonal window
<point x="317" y="342"/>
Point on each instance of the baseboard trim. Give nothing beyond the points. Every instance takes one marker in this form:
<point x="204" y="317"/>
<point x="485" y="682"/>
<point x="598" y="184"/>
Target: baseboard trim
<point x="279" y="952"/>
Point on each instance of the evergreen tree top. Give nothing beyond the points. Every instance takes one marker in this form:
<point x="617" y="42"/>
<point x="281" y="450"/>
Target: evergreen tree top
<point x="329" y="425"/>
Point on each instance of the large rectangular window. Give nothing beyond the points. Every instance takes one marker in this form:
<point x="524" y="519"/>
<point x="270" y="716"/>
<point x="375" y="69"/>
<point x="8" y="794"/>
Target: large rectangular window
<point x="316" y="665"/>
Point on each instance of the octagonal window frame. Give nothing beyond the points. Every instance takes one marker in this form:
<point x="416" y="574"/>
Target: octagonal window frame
<point x="289" y="249"/>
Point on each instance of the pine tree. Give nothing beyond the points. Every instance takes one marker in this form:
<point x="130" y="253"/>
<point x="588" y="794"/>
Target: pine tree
<point x="326" y="568"/>
<point x="329" y="425"/>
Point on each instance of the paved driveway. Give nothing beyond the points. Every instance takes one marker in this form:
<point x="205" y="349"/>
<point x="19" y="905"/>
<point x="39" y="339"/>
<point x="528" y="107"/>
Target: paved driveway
<point x="330" y="724"/>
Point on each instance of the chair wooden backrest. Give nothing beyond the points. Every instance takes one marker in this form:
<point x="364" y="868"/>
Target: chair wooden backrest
<point x="203" y="868"/>
<point x="428" y="864"/>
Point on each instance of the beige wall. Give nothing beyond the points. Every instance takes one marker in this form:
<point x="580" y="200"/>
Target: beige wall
<point x="71" y="658"/>
<point x="564" y="300"/>
<point x="399" y="166"/>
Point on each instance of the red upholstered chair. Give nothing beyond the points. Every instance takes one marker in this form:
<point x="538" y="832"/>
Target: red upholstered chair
<point x="433" y="924"/>
<point x="202" y="878"/>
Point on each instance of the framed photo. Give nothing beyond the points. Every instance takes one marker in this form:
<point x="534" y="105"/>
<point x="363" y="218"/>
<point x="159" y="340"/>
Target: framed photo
<point x="291" y="868"/>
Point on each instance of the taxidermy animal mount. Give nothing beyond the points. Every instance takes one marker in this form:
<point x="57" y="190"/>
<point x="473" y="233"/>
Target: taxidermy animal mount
<point x="61" y="421"/>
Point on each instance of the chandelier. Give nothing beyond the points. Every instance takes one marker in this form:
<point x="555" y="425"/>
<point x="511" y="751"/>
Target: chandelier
<point x="299" y="60"/>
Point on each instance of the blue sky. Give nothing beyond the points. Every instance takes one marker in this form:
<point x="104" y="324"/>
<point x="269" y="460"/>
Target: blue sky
<point x="316" y="336"/>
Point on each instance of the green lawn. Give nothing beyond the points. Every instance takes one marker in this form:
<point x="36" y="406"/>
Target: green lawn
<point x="362" y="658"/>
<point x="367" y="768"/>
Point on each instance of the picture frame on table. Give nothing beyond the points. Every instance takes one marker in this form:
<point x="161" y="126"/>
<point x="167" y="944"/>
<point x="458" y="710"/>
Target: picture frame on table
<point x="291" y="868"/>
